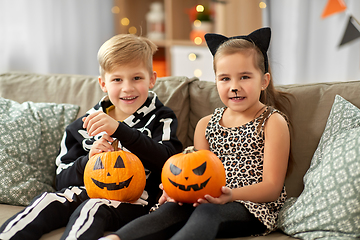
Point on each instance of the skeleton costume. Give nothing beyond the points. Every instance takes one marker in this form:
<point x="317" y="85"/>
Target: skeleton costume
<point x="150" y="133"/>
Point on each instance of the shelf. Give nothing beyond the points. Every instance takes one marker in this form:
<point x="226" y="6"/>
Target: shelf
<point x="232" y="17"/>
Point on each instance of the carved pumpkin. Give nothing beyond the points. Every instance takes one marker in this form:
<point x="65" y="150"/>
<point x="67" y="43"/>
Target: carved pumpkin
<point x="191" y="175"/>
<point x="117" y="175"/>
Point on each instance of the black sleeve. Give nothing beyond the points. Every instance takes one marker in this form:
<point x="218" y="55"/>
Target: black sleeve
<point x="73" y="156"/>
<point x="153" y="143"/>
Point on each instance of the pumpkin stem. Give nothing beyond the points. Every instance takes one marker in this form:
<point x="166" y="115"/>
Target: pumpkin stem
<point x="189" y="149"/>
<point x="115" y="145"/>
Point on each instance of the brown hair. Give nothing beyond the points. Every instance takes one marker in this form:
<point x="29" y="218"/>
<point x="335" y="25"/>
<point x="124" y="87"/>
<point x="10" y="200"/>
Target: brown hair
<point x="270" y="96"/>
<point x="123" y="49"/>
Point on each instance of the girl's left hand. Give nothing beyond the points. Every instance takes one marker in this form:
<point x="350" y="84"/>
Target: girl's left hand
<point x="225" y="197"/>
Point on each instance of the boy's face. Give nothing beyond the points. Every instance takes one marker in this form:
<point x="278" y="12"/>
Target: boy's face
<point x="127" y="87"/>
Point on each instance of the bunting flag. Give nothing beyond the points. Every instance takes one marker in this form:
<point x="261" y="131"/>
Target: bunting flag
<point x="333" y="6"/>
<point x="352" y="31"/>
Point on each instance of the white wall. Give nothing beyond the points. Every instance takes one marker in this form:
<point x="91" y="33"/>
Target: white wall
<point x="52" y="36"/>
<point x="305" y="48"/>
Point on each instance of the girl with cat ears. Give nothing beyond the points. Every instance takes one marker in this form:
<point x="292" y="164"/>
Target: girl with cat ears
<point x="259" y="40"/>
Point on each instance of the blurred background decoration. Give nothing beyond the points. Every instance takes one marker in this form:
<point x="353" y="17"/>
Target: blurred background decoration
<point x="312" y="41"/>
<point x="201" y="18"/>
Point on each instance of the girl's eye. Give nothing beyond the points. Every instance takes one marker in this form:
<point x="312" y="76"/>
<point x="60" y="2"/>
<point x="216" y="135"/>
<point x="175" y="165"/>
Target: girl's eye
<point x="245" y="77"/>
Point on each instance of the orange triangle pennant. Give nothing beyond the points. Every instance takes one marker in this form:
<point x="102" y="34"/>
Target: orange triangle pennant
<point x="333" y="6"/>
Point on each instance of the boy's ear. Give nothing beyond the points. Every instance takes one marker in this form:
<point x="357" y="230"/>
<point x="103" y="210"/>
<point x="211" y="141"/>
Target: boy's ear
<point x="266" y="81"/>
<point x="102" y="84"/>
<point x="153" y="78"/>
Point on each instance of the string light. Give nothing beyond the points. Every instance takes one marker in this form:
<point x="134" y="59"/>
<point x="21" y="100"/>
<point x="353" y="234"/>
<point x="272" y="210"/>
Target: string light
<point x="197" y="73"/>
<point x="192" y="56"/>
<point x="197" y="23"/>
<point x="125" y="21"/>
<point x="200" y="8"/>
<point x="198" y="40"/>
<point x="115" y="10"/>
<point x="132" y="30"/>
<point x="262" y="5"/>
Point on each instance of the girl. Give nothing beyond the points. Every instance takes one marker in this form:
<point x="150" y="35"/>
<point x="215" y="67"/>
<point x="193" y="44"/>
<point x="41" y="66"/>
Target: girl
<point x="250" y="136"/>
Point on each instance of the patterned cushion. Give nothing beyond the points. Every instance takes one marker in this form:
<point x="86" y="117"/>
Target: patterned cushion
<point x="30" y="135"/>
<point x="329" y="206"/>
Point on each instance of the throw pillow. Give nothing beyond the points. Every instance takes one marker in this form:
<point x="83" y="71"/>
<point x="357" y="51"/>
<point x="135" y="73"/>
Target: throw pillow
<point x="329" y="206"/>
<point x="30" y="136"/>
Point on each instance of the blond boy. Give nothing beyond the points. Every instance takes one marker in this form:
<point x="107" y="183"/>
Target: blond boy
<point x="130" y="113"/>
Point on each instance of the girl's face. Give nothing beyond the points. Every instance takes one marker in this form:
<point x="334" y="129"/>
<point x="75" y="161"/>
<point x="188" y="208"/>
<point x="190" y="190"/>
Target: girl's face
<point x="238" y="72"/>
<point x="127" y="87"/>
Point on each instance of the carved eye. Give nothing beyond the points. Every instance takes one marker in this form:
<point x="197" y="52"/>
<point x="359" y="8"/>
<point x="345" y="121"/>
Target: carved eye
<point x="98" y="164"/>
<point x="200" y="170"/>
<point x="119" y="163"/>
<point x="174" y="169"/>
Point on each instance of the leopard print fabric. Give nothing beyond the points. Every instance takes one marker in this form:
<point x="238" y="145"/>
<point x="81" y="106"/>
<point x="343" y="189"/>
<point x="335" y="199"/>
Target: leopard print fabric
<point x="241" y="150"/>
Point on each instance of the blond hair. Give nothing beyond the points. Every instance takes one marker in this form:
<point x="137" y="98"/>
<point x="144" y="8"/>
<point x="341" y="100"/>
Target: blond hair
<point x="123" y="49"/>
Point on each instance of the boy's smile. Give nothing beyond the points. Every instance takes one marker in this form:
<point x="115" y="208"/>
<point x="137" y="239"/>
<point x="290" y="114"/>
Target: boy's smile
<point x="127" y="87"/>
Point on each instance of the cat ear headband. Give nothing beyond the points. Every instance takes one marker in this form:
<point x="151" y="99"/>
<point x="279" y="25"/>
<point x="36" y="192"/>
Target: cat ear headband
<point x="260" y="37"/>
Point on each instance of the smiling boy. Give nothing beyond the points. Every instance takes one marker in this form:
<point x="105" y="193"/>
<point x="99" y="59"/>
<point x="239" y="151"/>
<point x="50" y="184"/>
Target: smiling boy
<point x="129" y="113"/>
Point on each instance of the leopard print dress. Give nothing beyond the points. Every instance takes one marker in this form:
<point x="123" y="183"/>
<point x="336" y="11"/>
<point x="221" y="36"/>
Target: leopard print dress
<point x="241" y="150"/>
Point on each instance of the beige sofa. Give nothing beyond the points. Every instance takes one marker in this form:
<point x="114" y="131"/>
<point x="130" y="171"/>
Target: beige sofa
<point x="190" y="99"/>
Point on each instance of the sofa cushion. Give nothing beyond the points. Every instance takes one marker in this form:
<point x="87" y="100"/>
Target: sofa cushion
<point x="329" y="205"/>
<point x="204" y="98"/>
<point x="30" y="137"/>
<point x="173" y="92"/>
<point x="80" y="90"/>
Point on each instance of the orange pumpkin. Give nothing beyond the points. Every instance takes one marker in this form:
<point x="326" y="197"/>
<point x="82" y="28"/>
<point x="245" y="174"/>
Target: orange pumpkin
<point x="117" y="175"/>
<point x="191" y="175"/>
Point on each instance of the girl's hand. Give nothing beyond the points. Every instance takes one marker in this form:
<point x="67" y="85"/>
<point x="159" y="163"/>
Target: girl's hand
<point x="165" y="198"/>
<point x="99" y="122"/>
<point x="101" y="145"/>
<point x="225" y="197"/>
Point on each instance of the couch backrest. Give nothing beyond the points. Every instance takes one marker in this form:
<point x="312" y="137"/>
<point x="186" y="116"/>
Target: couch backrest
<point x="58" y="88"/>
<point x="310" y="108"/>
<point x="191" y="100"/>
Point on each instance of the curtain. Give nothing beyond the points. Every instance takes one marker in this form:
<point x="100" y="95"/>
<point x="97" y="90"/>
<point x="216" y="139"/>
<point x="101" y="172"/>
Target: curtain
<point x="305" y="48"/>
<point x="51" y="36"/>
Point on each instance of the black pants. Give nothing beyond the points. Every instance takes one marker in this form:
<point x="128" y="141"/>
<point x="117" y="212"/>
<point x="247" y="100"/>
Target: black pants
<point x="207" y="221"/>
<point x="84" y="218"/>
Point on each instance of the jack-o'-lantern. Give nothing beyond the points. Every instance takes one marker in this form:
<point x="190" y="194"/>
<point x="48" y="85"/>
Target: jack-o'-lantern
<point x="117" y="175"/>
<point x="191" y="175"/>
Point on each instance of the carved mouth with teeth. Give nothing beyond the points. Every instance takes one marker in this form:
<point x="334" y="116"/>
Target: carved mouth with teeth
<point x="195" y="187"/>
<point x="112" y="186"/>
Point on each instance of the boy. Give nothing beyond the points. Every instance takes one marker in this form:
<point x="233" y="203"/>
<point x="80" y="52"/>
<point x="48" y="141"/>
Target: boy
<point x="130" y="113"/>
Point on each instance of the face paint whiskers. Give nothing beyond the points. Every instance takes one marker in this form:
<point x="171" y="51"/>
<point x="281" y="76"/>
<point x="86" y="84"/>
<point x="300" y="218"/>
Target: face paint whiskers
<point x="235" y="91"/>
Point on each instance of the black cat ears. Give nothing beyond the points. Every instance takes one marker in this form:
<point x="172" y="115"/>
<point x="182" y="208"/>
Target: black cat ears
<point x="260" y="37"/>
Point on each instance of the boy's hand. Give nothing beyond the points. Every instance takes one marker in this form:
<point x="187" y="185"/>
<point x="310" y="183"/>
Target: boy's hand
<point x="101" y="145"/>
<point x="165" y="198"/>
<point x="99" y="122"/>
<point x="225" y="197"/>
